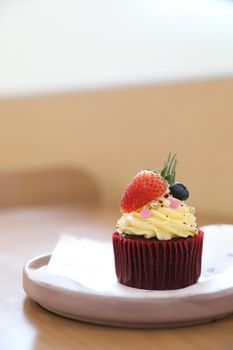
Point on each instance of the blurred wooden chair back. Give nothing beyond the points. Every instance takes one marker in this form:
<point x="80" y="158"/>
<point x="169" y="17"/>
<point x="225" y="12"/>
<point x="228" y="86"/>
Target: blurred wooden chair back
<point x="47" y="186"/>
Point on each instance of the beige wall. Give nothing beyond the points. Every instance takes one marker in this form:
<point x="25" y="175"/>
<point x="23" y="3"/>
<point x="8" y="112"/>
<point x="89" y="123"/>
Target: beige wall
<point x="113" y="134"/>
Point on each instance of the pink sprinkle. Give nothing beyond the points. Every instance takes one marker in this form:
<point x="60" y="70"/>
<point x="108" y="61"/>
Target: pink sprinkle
<point x="174" y="203"/>
<point x="145" y="213"/>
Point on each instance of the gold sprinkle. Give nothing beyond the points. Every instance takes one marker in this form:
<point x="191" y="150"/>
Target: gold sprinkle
<point x="154" y="205"/>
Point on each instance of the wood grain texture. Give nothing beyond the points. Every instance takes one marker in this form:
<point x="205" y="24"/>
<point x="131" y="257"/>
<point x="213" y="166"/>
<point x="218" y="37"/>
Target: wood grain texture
<point x="27" y="232"/>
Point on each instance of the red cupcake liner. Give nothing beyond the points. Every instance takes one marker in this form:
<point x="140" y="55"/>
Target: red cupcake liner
<point x="158" y="265"/>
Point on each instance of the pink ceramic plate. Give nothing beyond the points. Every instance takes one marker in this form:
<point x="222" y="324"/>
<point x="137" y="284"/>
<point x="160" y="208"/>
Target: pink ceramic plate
<point x="114" y="304"/>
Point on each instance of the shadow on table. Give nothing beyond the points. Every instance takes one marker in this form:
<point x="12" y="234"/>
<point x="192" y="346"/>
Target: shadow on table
<point x="56" y="332"/>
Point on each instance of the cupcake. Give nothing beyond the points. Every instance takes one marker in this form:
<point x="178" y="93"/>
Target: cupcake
<point x="157" y="244"/>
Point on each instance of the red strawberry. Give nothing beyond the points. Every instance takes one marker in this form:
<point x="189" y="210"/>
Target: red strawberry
<point x="145" y="187"/>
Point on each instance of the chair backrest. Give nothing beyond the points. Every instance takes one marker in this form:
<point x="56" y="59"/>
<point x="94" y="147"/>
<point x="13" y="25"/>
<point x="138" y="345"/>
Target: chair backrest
<point x="48" y="186"/>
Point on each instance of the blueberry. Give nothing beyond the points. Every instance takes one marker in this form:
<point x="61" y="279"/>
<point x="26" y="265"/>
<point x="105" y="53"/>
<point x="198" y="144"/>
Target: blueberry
<point x="179" y="191"/>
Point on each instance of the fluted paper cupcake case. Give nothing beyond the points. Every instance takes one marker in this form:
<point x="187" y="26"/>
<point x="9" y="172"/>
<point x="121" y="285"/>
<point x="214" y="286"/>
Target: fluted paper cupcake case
<point x="158" y="265"/>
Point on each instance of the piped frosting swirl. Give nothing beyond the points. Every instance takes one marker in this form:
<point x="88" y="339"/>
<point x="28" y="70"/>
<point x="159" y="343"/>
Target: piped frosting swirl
<point x="162" y="220"/>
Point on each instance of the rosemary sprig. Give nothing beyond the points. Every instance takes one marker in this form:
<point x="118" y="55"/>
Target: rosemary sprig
<point x="169" y="168"/>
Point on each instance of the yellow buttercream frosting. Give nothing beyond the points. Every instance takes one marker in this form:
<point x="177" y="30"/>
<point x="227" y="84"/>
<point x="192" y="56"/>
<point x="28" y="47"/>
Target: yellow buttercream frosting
<point x="164" y="223"/>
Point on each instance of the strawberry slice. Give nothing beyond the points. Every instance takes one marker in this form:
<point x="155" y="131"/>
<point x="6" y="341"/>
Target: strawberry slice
<point x="145" y="187"/>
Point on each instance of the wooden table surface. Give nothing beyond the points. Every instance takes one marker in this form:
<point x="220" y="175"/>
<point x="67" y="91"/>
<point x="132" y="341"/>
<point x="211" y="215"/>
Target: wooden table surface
<point x="27" y="232"/>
